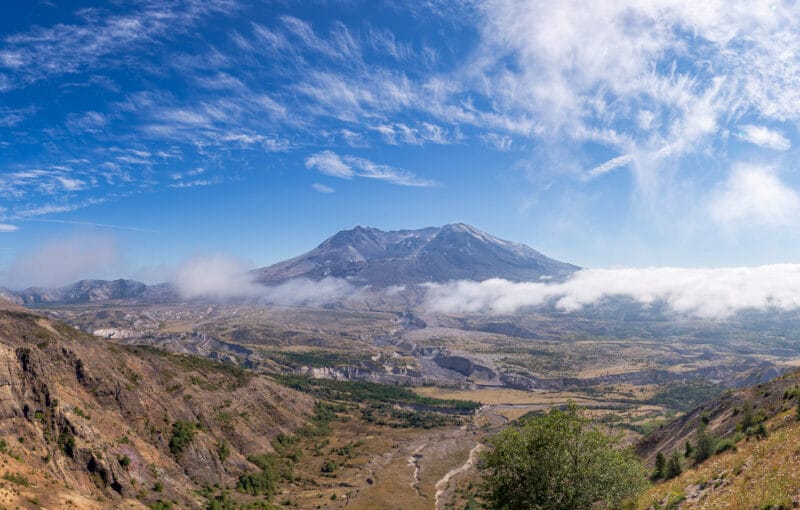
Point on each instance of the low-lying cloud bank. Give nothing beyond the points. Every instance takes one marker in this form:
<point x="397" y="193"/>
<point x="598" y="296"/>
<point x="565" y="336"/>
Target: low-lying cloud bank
<point x="222" y="277"/>
<point x="703" y="293"/>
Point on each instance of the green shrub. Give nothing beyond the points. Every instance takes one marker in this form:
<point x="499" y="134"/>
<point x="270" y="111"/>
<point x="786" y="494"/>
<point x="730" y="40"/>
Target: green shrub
<point x="182" y="435"/>
<point x="329" y="466"/>
<point x="223" y="450"/>
<point x="724" y="445"/>
<point x="258" y="483"/>
<point x="17" y="479"/>
<point x="124" y="461"/>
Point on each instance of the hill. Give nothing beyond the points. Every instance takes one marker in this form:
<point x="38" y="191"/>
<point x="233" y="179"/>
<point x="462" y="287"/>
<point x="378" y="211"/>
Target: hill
<point x="89" y="291"/>
<point x="453" y="252"/>
<point x="755" y="437"/>
<point x="109" y="426"/>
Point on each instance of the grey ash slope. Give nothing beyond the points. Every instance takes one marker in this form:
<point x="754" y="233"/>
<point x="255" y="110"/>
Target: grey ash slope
<point x="453" y="252"/>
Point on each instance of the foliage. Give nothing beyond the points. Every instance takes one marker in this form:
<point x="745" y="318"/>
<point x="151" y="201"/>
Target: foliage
<point x="329" y="466"/>
<point x="223" y="501"/>
<point x="66" y="442"/>
<point x="704" y="444"/>
<point x="674" y="466"/>
<point x="17" y="479"/>
<point x="362" y="391"/>
<point x="161" y="505"/>
<point x="257" y="483"/>
<point x="323" y="359"/>
<point x="223" y="450"/>
<point x="182" y="435"/>
<point x="389" y="415"/>
<point x="661" y="464"/>
<point x="723" y="445"/>
<point x="124" y="461"/>
<point x="559" y="461"/>
<point x="686" y="395"/>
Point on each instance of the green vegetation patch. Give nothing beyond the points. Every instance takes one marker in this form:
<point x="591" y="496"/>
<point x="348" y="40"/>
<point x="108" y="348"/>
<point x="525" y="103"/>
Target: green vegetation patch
<point x="17" y="479"/>
<point x="684" y="396"/>
<point x="322" y="359"/>
<point x="361" y="391"/>
<point x="182" y="435"/>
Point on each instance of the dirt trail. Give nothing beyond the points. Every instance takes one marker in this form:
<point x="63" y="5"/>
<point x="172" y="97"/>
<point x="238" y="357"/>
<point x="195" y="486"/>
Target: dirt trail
<point x="442" y="485"/>
<point x="413" y="461"/>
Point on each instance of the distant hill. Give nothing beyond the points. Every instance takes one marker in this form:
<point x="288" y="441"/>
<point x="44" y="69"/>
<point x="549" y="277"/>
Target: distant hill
<point x="453" y="252"/>
<point x="88" y="291"/>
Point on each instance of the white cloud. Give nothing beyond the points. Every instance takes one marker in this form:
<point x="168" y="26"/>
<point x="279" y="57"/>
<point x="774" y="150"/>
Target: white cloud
<point x="216" y="276"/>
<point x="754" y="195"/>
<point x="706" y="293"/>
<point x="322" y="188"/>
<point x="346" y="167"/>
<point x="71" y="184"/>
<point x="5" y="227"/>
<point x="329" y="163"/>
<point x="303" y="291"/>
<point x="656" y="79"/>
<point x="611" y="164"/>
<point x="765" y="137"/>
<point x="222" y="277"/>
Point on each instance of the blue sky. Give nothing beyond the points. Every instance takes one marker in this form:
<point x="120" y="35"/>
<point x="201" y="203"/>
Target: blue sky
<point x="602" y="133"/>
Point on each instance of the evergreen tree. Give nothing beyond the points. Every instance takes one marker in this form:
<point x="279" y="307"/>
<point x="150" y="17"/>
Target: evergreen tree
<point x="705" y="444"/>
<point x="674" y="466"/>
<point x="661" y="464"/>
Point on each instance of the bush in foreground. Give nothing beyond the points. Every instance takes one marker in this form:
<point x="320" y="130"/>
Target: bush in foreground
<point x="559" y="461"/>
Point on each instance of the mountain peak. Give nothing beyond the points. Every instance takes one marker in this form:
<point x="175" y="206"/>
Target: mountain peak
<point x="456" y="251"/>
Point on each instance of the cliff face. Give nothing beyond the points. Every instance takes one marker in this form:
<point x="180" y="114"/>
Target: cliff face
<point x="85" y="419"/>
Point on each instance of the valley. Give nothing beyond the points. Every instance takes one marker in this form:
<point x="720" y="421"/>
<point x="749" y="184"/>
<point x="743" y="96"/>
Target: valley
<point x="631" y="377"/>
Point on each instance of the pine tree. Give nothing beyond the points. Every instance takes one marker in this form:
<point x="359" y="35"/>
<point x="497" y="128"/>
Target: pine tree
<point x="674" y="466"/>
<point x="688" y="450"/>
<point x="705" y="444"/>
<point x="661" y="464"/>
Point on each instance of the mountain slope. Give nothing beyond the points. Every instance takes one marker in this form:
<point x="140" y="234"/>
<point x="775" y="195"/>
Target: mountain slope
<point x="453" y="252"/>
<point x="86" y="420"/>
<point x="759" y="471"/>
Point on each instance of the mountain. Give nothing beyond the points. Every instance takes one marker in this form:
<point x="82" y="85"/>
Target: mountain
<point x="453" y="252"/>
<point x="87" y="291"/>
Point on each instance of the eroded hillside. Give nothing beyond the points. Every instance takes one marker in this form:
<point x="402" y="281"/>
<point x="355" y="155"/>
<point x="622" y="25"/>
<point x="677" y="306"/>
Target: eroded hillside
<point x="100" y="424"/>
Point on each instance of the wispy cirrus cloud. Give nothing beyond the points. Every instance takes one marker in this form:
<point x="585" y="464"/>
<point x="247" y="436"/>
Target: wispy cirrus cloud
<point x="98" y="39"/>
<point x="347" y="167"/>
<point x="322" y="188"/>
